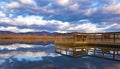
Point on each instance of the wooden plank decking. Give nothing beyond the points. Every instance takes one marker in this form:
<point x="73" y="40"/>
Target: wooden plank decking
<point x="108" y="38"/>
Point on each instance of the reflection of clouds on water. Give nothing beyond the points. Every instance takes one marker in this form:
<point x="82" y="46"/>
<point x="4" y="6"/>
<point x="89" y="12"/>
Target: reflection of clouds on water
<point x="116" y="66"/>
<point x="30" y="55"/>
<point x="35" y="57"/>
<point x="2" y="61"/>
<point x="27" y="56"/>
<point x="60" y="62"/>
<point x="15" y="53"/>
<point x="90" y="66"/>
<point x="16" y="46"/>
<point x="26" y="52"/>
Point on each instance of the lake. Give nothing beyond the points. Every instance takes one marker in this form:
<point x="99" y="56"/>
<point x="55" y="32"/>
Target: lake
<point x="41" y="55"/>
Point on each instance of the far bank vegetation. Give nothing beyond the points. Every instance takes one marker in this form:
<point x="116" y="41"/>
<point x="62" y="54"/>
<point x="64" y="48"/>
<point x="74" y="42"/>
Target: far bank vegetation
<point x="26" y="37"/>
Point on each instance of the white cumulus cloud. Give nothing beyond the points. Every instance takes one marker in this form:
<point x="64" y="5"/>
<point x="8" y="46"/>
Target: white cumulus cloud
<point x="55" y="25"/>
<point x="15" y="29"/>
<point x="30" y="2"/>
<point x="13" y="5"/>
<point x="63" y="2"/>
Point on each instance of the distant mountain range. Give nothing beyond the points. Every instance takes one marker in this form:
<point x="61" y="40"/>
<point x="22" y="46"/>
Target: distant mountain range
<point x="28" y="33"/>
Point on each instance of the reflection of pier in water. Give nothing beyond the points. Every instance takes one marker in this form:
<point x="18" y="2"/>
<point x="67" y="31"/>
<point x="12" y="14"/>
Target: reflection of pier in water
<point x="95" y="51"/>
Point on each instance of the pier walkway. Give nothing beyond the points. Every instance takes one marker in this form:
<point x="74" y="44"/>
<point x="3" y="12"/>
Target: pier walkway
<point x="106" y="38"/>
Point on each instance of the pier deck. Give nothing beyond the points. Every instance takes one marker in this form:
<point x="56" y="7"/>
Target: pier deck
<point x="108" y="38"/>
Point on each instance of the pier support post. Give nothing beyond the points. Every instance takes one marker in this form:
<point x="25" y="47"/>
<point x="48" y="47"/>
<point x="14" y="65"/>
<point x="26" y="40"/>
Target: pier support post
<point x="60" y="50"/>
<point x="74" y="52"/>
<point x="113" y="55"/>
<point x="94" y="51"/>
<point x="114" y="37"/>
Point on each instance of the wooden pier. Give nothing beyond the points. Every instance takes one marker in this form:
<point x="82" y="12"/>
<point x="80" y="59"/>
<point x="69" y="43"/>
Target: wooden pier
<point x="106" y="38"/>
<point x="81" y="44"/>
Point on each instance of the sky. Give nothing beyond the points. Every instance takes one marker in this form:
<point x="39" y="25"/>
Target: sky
<point x="60" y="15"/>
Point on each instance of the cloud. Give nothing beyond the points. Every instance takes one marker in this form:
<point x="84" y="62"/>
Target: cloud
<point x="5" y="20"/>
<point x="114" y="8"/>
<point x="15" y="29"/>
<point x="13" y="5"/>
<point x="74" y="7"/>
<point x="55" y="25"/>
<point x="63" y="2"/>
<point x="2" y="14"/>
<point x="86" y="27"/>
<point x="114" y="25"/>
<point x="62" y="15"/>
<point x="30" y="2"/>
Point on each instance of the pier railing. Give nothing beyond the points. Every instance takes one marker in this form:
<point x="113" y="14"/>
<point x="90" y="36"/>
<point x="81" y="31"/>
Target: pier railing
<point x="106" y="37"/>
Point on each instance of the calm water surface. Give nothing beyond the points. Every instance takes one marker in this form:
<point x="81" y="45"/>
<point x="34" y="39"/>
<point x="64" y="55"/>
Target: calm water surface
<point x="42" y="56"/>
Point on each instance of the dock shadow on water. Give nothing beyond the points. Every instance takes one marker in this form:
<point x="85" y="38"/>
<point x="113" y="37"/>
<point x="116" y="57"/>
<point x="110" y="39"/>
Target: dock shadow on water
<point x="47" y="55"/>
